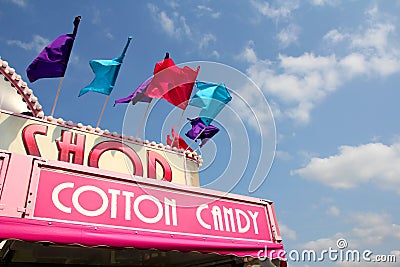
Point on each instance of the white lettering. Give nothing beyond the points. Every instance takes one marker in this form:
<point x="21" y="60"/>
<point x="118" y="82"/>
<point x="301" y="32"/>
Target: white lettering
<point x="172" y="204"/>
<point x="114" y="193"/>
<point x="139" y="214"/>
<point x="56" y="200"/>
<point x="217" y="217"/>
<point x="128" y="196"/>
<point x="229" y="221"/>
<point x="239" y="221"/>
<point x="90" y="213"/>
<point x="137" y="205"/>
<point x="254" y="218"/>
<point x="199" y="218"/>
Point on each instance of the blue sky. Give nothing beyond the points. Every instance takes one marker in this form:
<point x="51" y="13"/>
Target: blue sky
<point x="328" y="71"/>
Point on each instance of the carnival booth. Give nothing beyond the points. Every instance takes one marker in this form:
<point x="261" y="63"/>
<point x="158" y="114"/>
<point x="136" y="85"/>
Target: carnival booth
<point x="77" y="195"/>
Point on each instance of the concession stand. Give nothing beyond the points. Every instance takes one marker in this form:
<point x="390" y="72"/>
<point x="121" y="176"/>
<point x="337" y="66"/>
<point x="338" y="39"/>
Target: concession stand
<point x="75" y="195"/>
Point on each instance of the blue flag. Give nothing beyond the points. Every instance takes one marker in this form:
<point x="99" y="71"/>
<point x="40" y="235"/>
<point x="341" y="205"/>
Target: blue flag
<point x="211" y="98"/>
<point x="106" y="72"/>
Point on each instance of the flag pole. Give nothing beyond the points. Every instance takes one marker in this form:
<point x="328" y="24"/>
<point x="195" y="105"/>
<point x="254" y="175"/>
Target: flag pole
<point x="179" y="123"/>
<point x="194" y="140"/>
<point x="184" y="155"/>
<point x="143" y="118"/>
<point x="180" y="119"/>
<point x="102" y="111"/>
<point x="76" y="22"/>
<point x="57" y="95"/>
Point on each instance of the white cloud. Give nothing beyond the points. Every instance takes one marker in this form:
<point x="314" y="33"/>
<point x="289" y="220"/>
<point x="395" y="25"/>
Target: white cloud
<point x="376" y="38"/>
<point x="109" y="35"/>
<point x="287" y="233"/>
<point x="334" y="36"/>
<point x="363" y="263"/>
<point x="374" y="228"/>
<point x="252" y="106"/>
<point x="374" y="162"/>
<point x="296" y="84"/>
<point x="395" y="252"/>
<point x="37" y="44"/>
<point x="333" y="211"/>
<point x="20" y="3"/>
<point x="354" y="64"/>
<point x="307" y="63"/>
<point x="206" y="40"/>
<point x="97" y="19"/>
<point x="215" y="54"/>
<point x="369" y="231"/>
<point x="166" y="23"/>
<point x="175" y="25"/>
<point x="283" y="155"/>
<point x="385" y="65"/>
<point x="288" y="35"/>
<point x="185" y="26"/>
<point x="203" y="10"/>
<point x="321" y="243"/>
<point x="248" y="54"/>
<point x="153" y="8"/>
<point x="283" y="11"/>
<point x="172" y="4"/>
<point x="304" y="82"/>
<point x="324" y="2"/>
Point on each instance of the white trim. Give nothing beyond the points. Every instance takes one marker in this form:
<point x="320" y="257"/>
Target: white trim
<point x="2" y="243"/>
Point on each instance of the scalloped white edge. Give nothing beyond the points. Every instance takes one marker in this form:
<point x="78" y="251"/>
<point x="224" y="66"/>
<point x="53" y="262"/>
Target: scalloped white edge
<point x="23" y="86"/>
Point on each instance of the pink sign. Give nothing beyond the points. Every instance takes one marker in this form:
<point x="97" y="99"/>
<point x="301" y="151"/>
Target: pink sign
<point x="73" y="198"/>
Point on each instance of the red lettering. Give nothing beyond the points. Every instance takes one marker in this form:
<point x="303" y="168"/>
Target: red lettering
<point x="67" y="147"/>
<point x="28" y="138"/>
<point x="100" y="148"/>
<point x="152" y="159"/>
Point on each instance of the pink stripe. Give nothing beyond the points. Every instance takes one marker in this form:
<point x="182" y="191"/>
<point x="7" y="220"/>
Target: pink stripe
<point x="64" y="233"/>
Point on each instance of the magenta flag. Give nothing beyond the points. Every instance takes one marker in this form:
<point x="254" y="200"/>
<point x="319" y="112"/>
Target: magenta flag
<point x="53" y="59"/>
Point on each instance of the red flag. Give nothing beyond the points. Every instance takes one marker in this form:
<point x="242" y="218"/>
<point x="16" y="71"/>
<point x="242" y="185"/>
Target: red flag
<point x="177" y="141"/>
<point x="163" y="64"/>
<point x="172" y="83"/>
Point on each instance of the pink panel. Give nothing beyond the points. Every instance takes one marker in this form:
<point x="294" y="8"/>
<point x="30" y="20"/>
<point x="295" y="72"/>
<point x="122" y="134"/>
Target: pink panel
<point x="4" y="158"/>
<point x="16" y="185"/>
<point x="91" y="200"/>
<point x="274" y="224"/>
<point x="71" y="204"/>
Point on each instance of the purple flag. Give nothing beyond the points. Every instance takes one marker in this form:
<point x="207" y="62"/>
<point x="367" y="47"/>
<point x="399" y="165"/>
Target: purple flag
<point x="137" y="95"/>
<point x="201" y="131"/>
<point x="53" y="60"/>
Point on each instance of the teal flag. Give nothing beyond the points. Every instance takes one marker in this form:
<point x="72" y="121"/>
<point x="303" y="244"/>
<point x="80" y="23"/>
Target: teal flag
<point x="211" y="98"/>
<point x="106" y="72"/>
